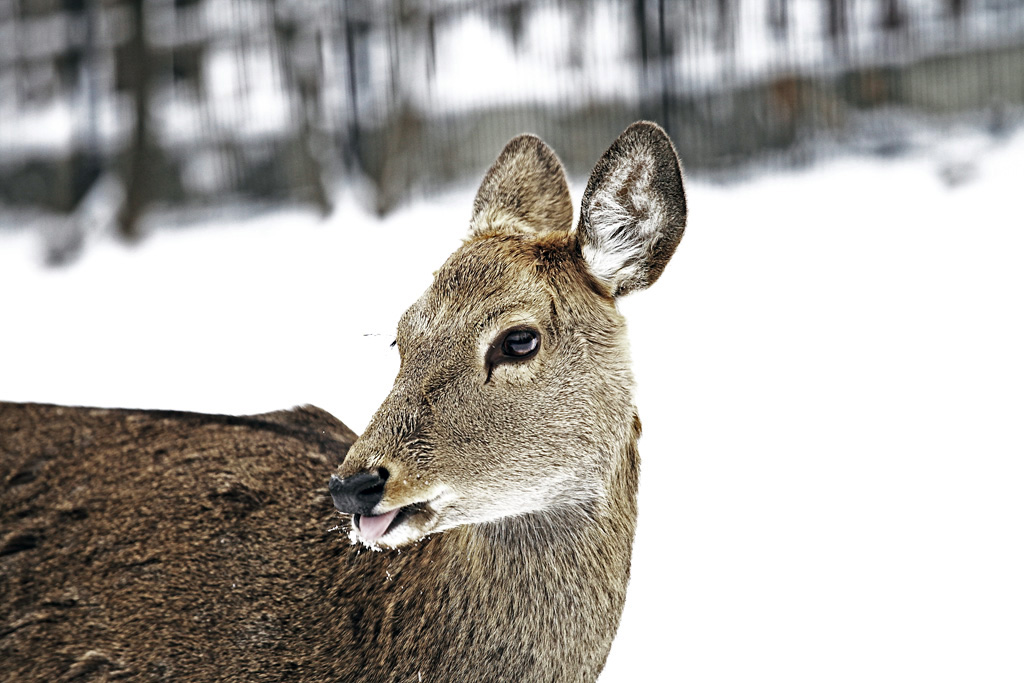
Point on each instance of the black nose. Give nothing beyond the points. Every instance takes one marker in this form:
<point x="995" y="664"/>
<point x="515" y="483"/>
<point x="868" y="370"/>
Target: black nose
<point x="359" y="493"/>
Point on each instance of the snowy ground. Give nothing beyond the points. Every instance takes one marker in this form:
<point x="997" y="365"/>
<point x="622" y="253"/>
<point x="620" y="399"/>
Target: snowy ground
<point x="831" y="380"/>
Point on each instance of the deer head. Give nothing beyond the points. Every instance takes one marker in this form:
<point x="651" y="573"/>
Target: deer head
<point x="514" y="395"/>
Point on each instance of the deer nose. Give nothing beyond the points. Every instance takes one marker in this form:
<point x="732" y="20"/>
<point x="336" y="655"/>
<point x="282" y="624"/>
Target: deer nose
<point x="359" y="493"/>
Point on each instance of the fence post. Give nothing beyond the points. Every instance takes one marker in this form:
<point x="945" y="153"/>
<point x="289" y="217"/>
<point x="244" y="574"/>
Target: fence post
<point x="303" y="78"/>
<point x="139" y="170"/>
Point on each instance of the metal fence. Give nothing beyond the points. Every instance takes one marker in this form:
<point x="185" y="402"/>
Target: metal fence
<point x="163" y="103"/>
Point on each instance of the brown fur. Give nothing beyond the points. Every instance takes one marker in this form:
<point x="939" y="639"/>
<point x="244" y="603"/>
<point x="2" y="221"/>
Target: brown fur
<point x="142" y="545"/>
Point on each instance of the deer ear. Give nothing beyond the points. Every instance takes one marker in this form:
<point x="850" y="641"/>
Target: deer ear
<point x="525" y="191"/>
<point x="634" y="210"/>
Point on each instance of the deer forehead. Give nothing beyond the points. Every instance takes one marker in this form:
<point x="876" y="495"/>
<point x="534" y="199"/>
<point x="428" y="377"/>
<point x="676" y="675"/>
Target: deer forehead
<point x="489" y="282"/>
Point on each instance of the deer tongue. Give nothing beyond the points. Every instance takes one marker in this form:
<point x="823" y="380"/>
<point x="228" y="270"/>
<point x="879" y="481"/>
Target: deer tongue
<point x="373" y="527"/>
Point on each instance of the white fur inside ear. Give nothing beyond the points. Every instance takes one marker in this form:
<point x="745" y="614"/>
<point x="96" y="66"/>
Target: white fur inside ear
<point x="625" y="215"/>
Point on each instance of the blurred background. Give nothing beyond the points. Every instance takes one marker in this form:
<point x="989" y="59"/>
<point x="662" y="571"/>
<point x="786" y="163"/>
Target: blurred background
<point x="123" y="114"/>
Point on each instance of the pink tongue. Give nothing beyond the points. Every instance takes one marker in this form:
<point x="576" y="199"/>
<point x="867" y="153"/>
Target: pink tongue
<point x="372" y="527"/>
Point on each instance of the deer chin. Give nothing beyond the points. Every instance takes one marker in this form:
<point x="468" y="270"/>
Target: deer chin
<point x="395" y="528"/>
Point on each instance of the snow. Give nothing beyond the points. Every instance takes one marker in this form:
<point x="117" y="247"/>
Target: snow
<point x="830" y="379"/>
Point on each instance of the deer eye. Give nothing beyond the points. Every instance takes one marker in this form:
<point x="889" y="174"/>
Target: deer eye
<point x="517" y="344"/>
<point x="520" y="343"/>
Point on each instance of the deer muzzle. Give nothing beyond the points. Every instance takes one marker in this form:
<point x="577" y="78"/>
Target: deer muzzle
<point x="358" y="494"/>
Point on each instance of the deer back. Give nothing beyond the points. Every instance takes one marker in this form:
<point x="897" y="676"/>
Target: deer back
<point x="164" y="545"/>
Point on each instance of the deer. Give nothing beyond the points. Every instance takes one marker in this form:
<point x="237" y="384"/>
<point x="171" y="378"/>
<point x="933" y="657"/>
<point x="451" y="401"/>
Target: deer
<point x="480" y="528"/>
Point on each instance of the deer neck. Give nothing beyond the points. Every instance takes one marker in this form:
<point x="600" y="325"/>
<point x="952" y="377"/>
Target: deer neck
<point x="557" y="576"/>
